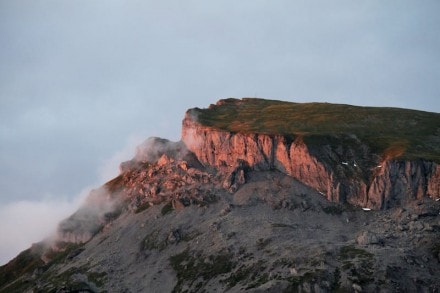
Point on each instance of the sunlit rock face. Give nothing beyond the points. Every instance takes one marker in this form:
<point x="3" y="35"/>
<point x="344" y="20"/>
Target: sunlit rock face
<point x="366" y="178"/>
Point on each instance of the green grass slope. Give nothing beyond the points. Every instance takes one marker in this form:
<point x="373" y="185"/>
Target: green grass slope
<point x="394" y="132"/>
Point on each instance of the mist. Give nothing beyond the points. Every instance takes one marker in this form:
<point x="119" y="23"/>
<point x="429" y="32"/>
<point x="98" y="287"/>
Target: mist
<point x="25" y="222"/>
<point x="29" y="221"/>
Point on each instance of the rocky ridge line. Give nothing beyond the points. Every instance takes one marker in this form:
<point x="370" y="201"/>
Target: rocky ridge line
<point x="347" y="173"/>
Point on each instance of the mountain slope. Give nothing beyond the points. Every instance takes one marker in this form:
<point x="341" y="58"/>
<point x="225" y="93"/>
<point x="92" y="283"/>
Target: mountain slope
<point x="232" y="208"/>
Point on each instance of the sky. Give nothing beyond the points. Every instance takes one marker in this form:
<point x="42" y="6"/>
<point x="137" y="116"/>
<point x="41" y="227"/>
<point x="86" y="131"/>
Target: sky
<point x="83" y="82"/>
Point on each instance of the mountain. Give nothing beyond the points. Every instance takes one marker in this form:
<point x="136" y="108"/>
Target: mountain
<point x="258" y="196"/>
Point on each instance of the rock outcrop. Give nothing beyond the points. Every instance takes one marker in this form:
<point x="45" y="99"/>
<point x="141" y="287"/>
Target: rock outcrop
<point x="342" y="168"/>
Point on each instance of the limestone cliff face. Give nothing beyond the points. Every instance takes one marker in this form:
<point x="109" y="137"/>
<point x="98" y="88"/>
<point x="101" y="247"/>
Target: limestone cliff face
<point x="342" y="174"/>
<point x="401" y="181"/>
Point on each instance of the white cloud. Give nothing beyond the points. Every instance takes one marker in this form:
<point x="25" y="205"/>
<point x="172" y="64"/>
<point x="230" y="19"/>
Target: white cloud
<point x="28" y="221"/>
<point x="25" y="222"/>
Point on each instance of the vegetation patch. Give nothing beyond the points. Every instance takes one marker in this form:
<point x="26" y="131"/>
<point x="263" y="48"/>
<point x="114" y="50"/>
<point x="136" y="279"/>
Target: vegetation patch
<point x="242" y="274"/>
<point x="436" y="251"/>
<point x="393" y="132"/>
<point x="25" y="263"/>
<point x="358" y="264"/>
<point x="259" y="280"/>
<point x="284" y="262"/>
<point x="142" y="207"/>
<point x="351" y="252"/>
<point x="191" y="235"/>
<point x="74" y="280"/>
<point x="16" y="275"/>
<point x="193" y="266"/>
<point x="333" y="209"/>
<point x="282" y="225"/>
<point x="97" y="278"/>
<point x="152" y="242"/>
<point x="253" y="275"/>
<point x="66" y="251"/>
<point x="167" y="208"/>
<point x="336" y="284"/>
<point x="262" y="243"/>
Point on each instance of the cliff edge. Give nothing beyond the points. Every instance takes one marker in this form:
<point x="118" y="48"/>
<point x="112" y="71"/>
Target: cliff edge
<point x="370" y="157"/>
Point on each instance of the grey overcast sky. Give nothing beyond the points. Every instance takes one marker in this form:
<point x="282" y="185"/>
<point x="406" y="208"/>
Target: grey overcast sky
<point x="82" y="82"/>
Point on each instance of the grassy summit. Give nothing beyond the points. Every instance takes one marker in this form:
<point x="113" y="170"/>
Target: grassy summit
<point x="396" y="132"/>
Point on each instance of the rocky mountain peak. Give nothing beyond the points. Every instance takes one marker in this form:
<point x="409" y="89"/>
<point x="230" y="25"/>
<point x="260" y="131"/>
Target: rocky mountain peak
<point x="261" y="196"/>
<point x="342" y="162"/>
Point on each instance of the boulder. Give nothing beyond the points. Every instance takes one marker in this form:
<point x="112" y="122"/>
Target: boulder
<point x="368" y="238"/>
